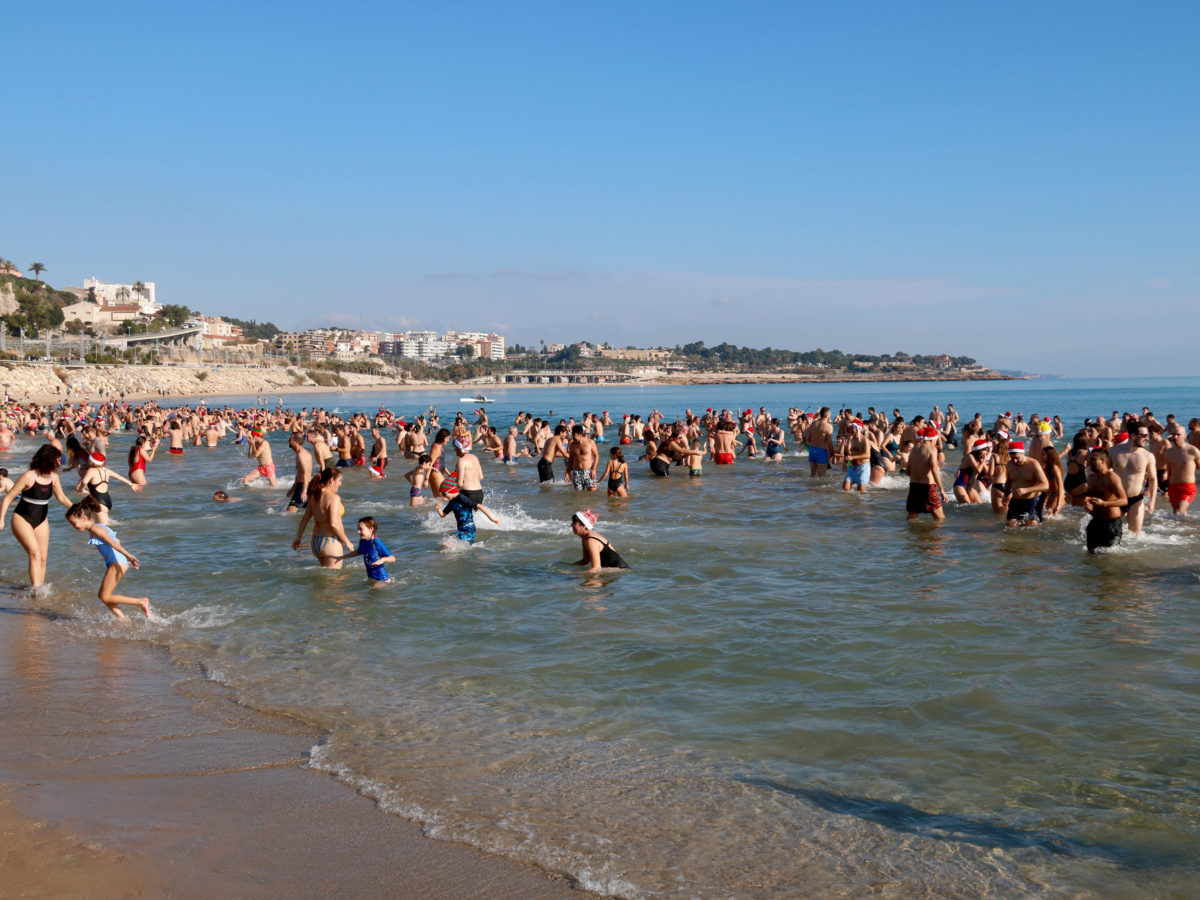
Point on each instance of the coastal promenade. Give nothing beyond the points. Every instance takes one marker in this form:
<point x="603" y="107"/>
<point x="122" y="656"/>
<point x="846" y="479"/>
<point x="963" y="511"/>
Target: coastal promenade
<point x="50" y="383"/>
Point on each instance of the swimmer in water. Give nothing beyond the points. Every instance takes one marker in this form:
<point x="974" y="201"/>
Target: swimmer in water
<point x="598" y="553"/>
<point x="463" y="508"/>
<point x="374" y="552"/>
<point x="616" y="473"/>
<point x="83" y="517"/>
<point x="325" y="510"/>
<point x="418" y="478"/>
<point x="222" y="497"/>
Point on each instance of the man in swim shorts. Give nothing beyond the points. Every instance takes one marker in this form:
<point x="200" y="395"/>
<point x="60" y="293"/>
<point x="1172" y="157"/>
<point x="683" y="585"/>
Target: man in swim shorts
<point x="1026" y="481"/>
<point x="298" y="493"/>
<point x="724" y="444"/>
<point x="554" y="448"/>
<point x="1104" y="500"/>
<point x="819" y="437"/>
<point x="582" y="458"/>
<point x="1134" y="465"/>
<point x="260" y="449"/>
<point x="470" y="473"/>
<point x="925" y="494"/>
<point x="858" y="458"/>
<point x="1181" y="459"/>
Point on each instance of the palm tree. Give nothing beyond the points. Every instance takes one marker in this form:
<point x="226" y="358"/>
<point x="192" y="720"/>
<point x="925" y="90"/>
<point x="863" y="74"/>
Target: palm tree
<point x="139" y="289"/>
<point x="122" y="294"/>
<point x="37" y="269"/>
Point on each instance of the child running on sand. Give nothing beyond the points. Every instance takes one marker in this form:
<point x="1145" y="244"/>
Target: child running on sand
<point x="463" y="509"/>
<point x="374" y="552"/>
<point x="83" y="517"/>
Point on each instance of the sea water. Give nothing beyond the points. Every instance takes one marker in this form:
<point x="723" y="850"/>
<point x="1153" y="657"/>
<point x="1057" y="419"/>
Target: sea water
<point x="792" y="691"/>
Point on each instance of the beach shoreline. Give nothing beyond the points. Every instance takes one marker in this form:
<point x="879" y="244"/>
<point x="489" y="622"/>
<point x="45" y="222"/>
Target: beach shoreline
<point x="127" y="774"/>
<point x="49" y="385"/>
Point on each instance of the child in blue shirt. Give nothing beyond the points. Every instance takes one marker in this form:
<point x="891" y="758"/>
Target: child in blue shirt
<point x="463" y="509"/>
<point x="373" y="551"/>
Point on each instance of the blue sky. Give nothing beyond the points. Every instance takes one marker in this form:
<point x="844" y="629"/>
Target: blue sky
<point x="1015" y="182"/>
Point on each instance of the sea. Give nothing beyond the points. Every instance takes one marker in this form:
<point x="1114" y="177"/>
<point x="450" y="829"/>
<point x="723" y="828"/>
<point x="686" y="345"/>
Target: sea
<point x="792" y="691"/>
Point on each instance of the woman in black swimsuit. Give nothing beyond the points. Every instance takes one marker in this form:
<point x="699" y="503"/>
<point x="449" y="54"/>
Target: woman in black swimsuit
<point x="95" y="482"/>
<point x="29" y="524"/>
<point x="598" y="553"/>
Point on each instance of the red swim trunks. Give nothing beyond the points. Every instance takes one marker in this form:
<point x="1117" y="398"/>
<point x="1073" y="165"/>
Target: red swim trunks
<point x="266" y="471"/>
<point x="1181" y="493"/>
<point x="176" y="450"/>
<point x="723" y="459"/>
<point x="923" y="498"/>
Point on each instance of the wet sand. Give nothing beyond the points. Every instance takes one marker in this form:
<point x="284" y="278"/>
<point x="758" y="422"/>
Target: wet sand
<point x="124" y="774"/>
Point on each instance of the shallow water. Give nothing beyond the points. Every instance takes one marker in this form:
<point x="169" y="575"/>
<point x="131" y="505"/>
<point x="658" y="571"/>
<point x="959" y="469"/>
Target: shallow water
<point x="792" y="691"/>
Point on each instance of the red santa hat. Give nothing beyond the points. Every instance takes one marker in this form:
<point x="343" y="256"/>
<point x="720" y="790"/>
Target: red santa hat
<point x="586" y="518"/>
<point x="1016" y="447"/>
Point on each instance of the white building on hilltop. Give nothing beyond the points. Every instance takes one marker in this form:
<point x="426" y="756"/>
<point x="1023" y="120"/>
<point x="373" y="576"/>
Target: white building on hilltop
<point x="114" y="294"/>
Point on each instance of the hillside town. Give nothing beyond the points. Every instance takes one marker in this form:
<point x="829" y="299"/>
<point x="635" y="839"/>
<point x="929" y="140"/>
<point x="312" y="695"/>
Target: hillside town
<point x="127" y="323"/>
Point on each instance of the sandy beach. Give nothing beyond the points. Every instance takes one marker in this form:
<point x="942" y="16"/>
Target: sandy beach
<point x="127" y="775"/>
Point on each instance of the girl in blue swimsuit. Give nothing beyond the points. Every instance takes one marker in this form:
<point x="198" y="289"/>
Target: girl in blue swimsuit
<point x="117" y="560"/>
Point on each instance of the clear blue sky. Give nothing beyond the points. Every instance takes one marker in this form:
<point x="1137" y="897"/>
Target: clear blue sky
<point x="1017" y="182"/>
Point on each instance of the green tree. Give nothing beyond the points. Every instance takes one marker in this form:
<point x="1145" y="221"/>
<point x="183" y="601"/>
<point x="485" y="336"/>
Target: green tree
<point x="37" y="269"/>
<point x="466" y="351"/>
<point x="175" y="314"/>
<point x="140" y="289"/>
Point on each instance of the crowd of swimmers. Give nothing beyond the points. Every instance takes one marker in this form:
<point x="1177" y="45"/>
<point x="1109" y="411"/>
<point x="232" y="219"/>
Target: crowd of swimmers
<point x="1114" y="467"/>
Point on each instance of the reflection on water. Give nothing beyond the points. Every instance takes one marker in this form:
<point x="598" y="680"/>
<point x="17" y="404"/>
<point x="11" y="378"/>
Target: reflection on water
<point x="968" y="710"/>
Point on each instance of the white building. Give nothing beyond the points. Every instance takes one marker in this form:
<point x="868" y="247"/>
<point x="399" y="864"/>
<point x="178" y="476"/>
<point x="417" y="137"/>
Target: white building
<point x="121" y="294"/>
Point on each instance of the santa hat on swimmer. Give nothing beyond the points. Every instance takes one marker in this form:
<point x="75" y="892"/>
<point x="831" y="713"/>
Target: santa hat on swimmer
<point x="1016" y="447"/>
<point x="96" y="459"/>
<point x="980" y="444"/>
<point x="1121" y="438"/>
<point x="930" y="434"/>
<point x="586" y="518"/>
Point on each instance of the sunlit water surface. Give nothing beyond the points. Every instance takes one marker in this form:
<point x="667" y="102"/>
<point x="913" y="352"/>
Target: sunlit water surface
<point x="792" y="690"/>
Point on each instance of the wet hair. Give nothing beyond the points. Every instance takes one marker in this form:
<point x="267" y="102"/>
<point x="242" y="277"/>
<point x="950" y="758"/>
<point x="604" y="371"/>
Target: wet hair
<point x="87" y="508"/>
<point x="3" y="472"/>
<point x="442" y="435"/>
<point x="1101" y="453"/>
<point x="424" y="458"/>
<point x="616" y="454"/>
<point x="317" y="486"/>
<point x="75" y="449"/>
<point x="220" y="495"/>
<point x="46" y="460"/>
<point x="1050" y="455"/>
<point x="370" y="522"/>
<point x="137" y="445"/>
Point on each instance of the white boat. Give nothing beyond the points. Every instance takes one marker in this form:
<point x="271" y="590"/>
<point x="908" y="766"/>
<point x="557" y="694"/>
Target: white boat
<point x="479" y="399"/>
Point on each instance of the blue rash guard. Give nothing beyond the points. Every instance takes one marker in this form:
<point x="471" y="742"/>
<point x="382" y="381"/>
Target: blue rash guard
<point x="464" y="514"/>
<point x="372" y="551"/>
